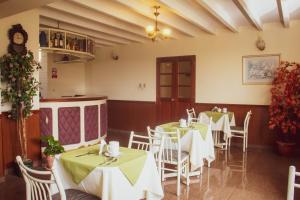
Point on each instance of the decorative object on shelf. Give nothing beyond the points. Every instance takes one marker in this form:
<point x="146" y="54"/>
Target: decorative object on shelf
<point x="43" y="39"/>
<point x="260" y="44"/>
<point x="20" y="86"/>
<point x="53" y="147"/>
<point x="260" y="69"/>
<point x="18" y="38"/>
<point x="154" y="33"/>
<point x="284" y="109"/>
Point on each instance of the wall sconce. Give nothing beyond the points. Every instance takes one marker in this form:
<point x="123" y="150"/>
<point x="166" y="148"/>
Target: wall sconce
<point x="114" y="56"/>
<point x="260" y="44"/>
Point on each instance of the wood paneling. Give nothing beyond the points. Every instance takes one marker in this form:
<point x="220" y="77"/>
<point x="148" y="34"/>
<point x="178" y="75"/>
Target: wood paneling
<point x="1" y="152"/>
<point x="131" y="115"/>
<point x="136" y="115"/>
<point x="10" y="145"/>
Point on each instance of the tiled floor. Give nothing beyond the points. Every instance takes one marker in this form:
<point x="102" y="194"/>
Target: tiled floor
<point x="259" y="175"/>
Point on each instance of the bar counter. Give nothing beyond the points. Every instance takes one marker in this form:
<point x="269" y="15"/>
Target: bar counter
<point x="74" y="121"/>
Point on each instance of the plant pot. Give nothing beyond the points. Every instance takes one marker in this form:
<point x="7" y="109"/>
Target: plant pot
<point x="49" y="161"/>
<point x="285" y="148"/>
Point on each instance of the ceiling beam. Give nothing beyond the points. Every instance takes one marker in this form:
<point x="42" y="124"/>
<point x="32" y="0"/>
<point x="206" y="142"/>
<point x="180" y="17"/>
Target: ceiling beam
<point x="146" y="8"/>
<point x="214" y="9"/>
<point x="105" y="43"/>
<point x="283" y="13"/>
<point x="187" y="12"/>
<point x="254" y="20"/>
<point x="79" y="21"/>
<point x="123" y="14"/>
<point x="12" y="7"/>
<point x="93" y="15"/>
<point x="95" y="34"/>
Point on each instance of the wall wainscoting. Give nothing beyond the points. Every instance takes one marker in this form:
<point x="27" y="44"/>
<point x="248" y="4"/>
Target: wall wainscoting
<point x="136" y="115"/>
<point x="10" y="146"/>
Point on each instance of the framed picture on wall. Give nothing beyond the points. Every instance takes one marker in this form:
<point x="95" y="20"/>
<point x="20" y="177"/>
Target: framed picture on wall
<point x="260" y="69"/>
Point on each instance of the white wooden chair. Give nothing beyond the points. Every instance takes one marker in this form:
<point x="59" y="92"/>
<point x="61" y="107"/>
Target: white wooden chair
<point x="292" y="183"/>
<point x="153" y="144"/>
<point x="241" y="132"/>
<point x="38" y="185"/>
<point x="192" y="118"/>
<point x="174" y="161"/>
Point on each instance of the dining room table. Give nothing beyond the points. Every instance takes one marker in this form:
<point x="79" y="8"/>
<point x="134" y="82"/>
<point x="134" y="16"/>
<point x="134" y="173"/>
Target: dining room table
<point x="131" y="175"/>
<point x="221" y="122"/>
<point x="196" y="139"/>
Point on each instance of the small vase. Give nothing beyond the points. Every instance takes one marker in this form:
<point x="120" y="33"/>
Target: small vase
<point x="49" y="161"/>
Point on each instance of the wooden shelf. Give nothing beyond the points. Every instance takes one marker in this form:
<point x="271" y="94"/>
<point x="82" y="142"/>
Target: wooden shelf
<point x="79" y="47"/>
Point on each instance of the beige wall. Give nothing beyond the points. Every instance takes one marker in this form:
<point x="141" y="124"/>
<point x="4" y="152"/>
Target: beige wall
<point x="218" y="65"/>
<point x="70" y="79"/>
<point x="30" y="22"/>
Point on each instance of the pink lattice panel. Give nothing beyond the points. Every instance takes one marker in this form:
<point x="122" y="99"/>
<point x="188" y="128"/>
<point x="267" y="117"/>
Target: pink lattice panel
<point x="69" y="125"/>
<point x="91" y="125"/>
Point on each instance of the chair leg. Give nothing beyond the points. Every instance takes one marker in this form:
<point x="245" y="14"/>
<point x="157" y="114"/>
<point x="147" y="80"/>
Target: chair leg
<point x="163" y="172"/>
<point x="244" y="144"/>
<point x="187" y="171"/>
<point x="178" y="179"/>
<point x="229" y="142"/>
<point x="246" y="140"/>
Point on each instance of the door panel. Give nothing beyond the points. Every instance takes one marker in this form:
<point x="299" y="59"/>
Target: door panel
<point x="175" y="87"/>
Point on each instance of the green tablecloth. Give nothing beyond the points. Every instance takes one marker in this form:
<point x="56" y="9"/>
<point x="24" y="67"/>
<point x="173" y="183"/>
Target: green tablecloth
<point x="217" y="115"/>
<point x="131" y="162"/>
<point x="172" y="126"/>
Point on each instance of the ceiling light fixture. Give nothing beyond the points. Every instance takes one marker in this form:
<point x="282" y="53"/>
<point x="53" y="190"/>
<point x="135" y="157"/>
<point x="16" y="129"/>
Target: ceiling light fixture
<point x="154" y="32"/>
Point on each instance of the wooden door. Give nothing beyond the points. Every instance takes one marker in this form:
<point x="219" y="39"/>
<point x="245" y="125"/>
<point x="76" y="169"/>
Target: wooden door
<point x="175" y="87"/>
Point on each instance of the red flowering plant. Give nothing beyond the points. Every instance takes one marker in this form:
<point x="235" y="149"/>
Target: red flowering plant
<point x="285" y="101"/>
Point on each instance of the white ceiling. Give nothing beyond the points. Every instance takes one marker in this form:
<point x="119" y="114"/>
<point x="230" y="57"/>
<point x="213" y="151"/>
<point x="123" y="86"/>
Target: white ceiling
<point x="115" y="22"/>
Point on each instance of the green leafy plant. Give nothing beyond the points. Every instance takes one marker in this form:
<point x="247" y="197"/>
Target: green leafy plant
<point x="53" y="146"/>
<point x="19" y="88"/>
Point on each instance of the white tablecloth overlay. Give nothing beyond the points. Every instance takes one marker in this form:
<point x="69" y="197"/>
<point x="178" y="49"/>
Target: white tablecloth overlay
<point x="109" y="183"/>
<point x="198" y="149"/>
<point x="223" y="124"/>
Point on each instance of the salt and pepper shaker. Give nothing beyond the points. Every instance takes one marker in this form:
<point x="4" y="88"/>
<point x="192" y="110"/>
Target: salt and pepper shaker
<point x="101" y="146"/>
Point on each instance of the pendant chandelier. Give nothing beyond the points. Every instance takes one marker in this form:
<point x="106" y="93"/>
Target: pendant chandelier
<point x="153" y="32"/>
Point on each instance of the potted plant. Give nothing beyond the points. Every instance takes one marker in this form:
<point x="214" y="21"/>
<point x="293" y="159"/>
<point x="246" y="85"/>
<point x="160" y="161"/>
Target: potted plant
<point x="284" y="109"/>
<point x="53" y="147"/>
<point x="20" y="86"/>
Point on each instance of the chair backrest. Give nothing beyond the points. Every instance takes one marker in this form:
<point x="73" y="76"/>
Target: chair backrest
<point x="152" y="143"/>
<point x="172" y="147"/>
<point x="191" y="113"/>
<point x="291" y="182"/>
<point x="38" y="183"/>
<point x="246" y="121"/>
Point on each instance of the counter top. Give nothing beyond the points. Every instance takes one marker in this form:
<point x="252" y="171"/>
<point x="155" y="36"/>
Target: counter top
<point x="72" y="99"/>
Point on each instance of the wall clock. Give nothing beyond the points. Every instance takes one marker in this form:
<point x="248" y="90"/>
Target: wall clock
<point x="18" y="38"/>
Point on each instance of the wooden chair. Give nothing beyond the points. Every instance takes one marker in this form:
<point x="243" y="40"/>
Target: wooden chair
<point x="241" y="132"/>
<point x="174" y="161"/>
<point x="153" y="144"/>
<point x="39" y="188"/>
<point x="292" y="183"/>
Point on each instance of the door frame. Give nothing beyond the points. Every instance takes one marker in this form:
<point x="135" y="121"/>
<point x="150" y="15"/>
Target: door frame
<point x="175" y="59"/>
